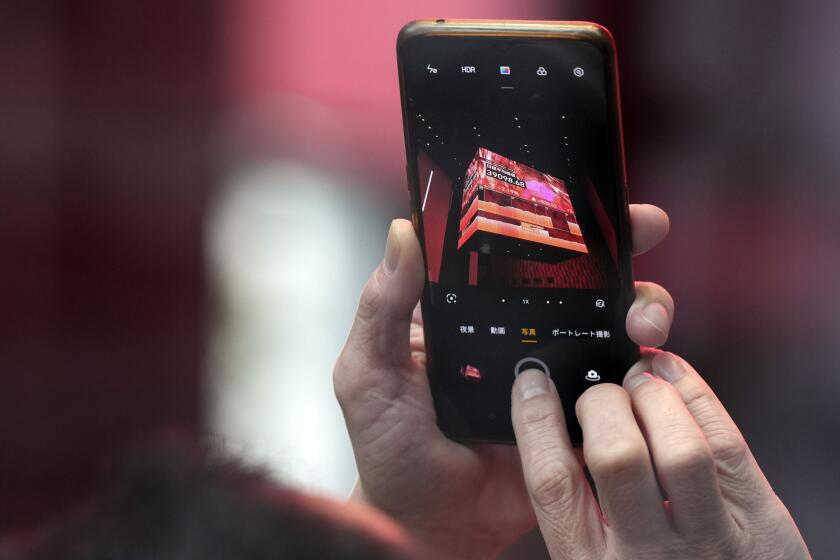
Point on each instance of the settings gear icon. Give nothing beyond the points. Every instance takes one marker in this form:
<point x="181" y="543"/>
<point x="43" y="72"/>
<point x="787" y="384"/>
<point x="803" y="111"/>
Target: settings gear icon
<point x="541" y="71"/>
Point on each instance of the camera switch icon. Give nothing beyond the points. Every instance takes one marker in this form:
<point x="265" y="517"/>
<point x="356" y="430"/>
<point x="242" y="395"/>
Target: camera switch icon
<point x="592" y="375"/>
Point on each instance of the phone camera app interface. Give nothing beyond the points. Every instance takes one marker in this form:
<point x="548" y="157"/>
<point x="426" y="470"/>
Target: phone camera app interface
<point x="521" y="210"/>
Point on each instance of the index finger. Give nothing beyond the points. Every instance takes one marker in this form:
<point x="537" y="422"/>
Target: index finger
<point x="565" y="508"/>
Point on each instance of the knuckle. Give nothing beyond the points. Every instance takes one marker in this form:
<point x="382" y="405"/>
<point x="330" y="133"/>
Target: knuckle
<point x="728" y="447"/>
<point x="686" y="457"/>
<point x="615" y="456"/>
<point x="352" y="380"/>
<point x="700" y="401"/>
<point x="539" y="415"/>
<point x="344" y="386"/>
<point x="729" y="450"/>
<point x="652" y="392"/>
<point x="552" y="483"/>
<point x="362" y="397"/>
<point x="371" y="300"/>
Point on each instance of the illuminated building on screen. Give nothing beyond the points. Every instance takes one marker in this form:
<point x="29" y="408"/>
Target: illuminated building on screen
<point x="508" y="208"/>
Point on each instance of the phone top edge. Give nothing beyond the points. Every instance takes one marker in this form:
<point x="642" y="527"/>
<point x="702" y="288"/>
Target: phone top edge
<point x="580" y="30"/>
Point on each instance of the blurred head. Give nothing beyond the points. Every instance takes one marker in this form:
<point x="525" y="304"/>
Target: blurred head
<point x="174" y="504"/>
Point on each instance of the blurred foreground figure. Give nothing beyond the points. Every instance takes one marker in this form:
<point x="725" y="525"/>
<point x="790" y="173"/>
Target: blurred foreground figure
<point x="173" y="504"/>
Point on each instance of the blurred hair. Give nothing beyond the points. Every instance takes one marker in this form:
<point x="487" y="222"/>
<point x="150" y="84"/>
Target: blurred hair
<point x="175" y="504"/>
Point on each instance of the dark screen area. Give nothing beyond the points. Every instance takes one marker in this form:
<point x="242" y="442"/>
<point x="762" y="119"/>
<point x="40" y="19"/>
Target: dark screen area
<point x="518" y="196"/>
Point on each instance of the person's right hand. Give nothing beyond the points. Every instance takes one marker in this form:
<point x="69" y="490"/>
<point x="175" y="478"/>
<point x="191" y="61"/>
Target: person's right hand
<point x="461" y="501"/>
<point x="665" y="431"/>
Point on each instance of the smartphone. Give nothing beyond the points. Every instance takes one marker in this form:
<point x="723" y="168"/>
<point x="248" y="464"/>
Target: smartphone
<point x="516" y="172"/>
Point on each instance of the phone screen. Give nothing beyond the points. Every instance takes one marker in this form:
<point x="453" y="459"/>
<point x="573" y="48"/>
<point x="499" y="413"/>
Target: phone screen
<point x="514" y="152"/>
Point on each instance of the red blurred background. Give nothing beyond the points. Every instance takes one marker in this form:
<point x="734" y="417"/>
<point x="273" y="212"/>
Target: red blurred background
<point x="127" y="130"/>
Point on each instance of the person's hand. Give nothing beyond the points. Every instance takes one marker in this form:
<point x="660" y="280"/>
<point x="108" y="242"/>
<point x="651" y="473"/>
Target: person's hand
<point x="465" y="501"/>
<point x="665" y="432"/>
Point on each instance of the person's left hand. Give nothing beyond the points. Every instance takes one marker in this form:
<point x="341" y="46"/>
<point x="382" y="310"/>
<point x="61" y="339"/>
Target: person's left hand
<point x="463" y="501"/>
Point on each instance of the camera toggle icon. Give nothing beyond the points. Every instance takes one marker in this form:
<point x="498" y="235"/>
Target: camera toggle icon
<point x="592" y="375"/>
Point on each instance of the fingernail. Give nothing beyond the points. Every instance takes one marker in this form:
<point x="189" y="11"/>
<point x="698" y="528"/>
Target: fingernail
<point x="635" y="380"/>
<point x="531" y="383"/>
<point x="656" y="316"/>
<point x="668" y="367"/>
<point x="392" y="249"/>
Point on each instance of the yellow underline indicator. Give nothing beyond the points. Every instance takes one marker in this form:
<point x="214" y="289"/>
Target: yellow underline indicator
<point x="529" y="341"/>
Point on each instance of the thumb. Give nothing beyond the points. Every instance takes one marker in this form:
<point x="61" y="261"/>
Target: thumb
<point x="379" y="338"/>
